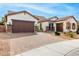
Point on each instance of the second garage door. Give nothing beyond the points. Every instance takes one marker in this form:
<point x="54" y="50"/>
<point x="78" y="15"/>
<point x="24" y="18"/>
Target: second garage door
<point x="59" y="27"/>
<point x="22" y="26"/>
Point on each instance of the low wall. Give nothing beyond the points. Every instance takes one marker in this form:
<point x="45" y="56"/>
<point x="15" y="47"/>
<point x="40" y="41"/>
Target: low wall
<point x="2" y="28"/>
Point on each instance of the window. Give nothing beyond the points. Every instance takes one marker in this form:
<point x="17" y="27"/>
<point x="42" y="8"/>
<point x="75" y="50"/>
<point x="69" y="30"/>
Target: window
<point x="49" y="26"/>
<point x="52" y="24"/>
<point x="73" y="26"/>
<point x="68" y="25"/>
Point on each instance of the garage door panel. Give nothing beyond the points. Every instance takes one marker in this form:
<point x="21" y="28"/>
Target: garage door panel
<point x="22" y="26"/>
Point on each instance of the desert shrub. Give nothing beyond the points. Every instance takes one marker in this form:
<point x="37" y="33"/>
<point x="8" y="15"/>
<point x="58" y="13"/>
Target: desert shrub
<point x="57" y="33"/>
<point x="71" y="34"/>
<point x="77" y="31"/>
<point x="37" y="28"/>
<point x="64" y="32"/>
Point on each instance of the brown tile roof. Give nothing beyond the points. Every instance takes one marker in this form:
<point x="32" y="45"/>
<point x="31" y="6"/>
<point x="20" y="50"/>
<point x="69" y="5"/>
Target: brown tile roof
<point x="64" y="18"/>
<point x="42" y="19"/>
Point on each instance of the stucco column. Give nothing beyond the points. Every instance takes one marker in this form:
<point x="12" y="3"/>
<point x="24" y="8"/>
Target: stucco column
<point x="54" y="24"/>
<point x="64" y="27"/>
<point x="71" y="27"/>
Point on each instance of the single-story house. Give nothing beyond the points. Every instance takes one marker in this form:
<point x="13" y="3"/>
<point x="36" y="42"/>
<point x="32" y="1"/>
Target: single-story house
<point x="65" y="24"/>
<point x="21" y="21"/>
<point x="24" y="21"/>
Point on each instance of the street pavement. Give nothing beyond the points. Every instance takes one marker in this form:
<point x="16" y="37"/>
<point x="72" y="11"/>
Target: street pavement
<point x="64" y="48"/>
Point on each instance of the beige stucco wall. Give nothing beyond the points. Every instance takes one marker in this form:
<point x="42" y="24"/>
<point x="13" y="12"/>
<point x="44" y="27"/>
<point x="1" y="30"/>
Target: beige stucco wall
<point x="44" y="25"/>
<point x="71" y="20"/>
<point x="38" y="24"/>
<point x="21" y="16"/>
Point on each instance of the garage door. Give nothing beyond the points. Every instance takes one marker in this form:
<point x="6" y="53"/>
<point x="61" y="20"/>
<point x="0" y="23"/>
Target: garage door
<point x="59" y="27"/>
<point x="22" y="26"/>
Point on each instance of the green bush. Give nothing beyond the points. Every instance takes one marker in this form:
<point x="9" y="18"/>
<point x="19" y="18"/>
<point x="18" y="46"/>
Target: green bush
<point x="37" y="28"/>
<point x="41" y="29"/>
<point x="57" y="33"/>
<point x="2" y="22"/>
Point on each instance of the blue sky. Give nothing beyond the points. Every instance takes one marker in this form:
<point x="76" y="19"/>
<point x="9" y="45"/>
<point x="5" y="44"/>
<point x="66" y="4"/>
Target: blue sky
<point x="43" y="9"/>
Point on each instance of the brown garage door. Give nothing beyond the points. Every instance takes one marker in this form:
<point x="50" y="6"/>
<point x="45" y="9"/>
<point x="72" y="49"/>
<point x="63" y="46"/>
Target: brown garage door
<point x="59" y="27"/>
<point x="22" y="26"/>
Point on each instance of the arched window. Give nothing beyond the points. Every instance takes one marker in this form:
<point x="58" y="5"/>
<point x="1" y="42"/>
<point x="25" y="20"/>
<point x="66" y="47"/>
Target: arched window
<point x="68" y="25"/>
<point x="73" y="26"/>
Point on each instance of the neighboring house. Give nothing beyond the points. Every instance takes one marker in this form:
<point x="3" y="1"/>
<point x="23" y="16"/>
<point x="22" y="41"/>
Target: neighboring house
<point x="64" y="24"/>
<point x="21" y="21"/>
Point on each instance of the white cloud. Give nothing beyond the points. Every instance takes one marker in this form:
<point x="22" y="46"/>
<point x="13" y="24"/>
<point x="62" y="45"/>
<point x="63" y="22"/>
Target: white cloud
<point x="64" y="9"/>
<point x="49" y="8"/>
<point x="36" y="7"/>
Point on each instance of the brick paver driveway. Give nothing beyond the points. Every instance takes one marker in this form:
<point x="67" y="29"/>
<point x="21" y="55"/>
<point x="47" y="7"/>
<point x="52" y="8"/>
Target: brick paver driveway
<point x="25" y="43"/>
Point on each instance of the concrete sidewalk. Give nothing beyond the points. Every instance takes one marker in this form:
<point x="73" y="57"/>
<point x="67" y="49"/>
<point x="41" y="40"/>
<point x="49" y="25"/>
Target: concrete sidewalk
<point x="63" y="48"/>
